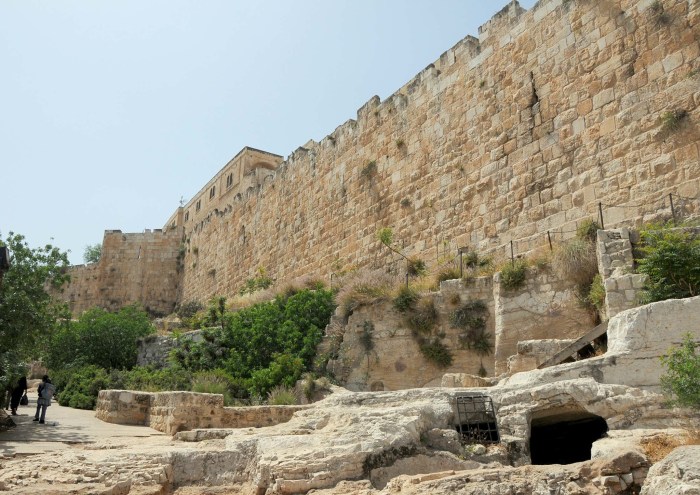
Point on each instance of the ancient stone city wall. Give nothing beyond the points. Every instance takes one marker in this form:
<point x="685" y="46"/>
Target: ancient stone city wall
<point x="527" y="129"/>
<point x="134" y="268"/>
<point x="550" y="114"/>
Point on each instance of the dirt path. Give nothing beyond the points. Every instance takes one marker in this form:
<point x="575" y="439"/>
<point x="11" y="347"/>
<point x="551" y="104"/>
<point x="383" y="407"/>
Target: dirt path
<point x="65" y="427"/>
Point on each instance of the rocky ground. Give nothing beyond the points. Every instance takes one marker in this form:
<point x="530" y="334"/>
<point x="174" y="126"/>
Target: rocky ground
<point x="353" y="443"/>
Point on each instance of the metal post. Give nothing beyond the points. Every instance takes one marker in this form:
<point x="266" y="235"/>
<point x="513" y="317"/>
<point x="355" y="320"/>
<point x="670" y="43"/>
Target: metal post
<point x="332" y="274"/>
<point x="549" y="238"/>
<point x="673" y="210"/>
<point x="512" y="256"/>
<point x="407" y="280"/>
<point x="600" y="214"/>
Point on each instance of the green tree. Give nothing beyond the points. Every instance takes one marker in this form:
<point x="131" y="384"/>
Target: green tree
<point x="27" y="311"/>
<point x="107" y="340"/>
<point x="682" y="378"/>
<point x="92" y="253"/>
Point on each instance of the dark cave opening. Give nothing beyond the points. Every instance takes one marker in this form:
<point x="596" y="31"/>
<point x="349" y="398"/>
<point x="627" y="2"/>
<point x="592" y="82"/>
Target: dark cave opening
<point x="565" y="438"/>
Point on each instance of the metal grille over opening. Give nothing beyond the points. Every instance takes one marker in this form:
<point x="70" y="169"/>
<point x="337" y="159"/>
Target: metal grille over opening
<point x="476" y="419"/>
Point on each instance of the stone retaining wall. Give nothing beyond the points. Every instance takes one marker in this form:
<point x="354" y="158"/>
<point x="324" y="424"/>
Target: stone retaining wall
<point x="172" y="412"/>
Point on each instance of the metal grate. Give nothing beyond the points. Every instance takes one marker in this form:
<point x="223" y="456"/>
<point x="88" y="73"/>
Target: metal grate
<point x="476" y="419"/>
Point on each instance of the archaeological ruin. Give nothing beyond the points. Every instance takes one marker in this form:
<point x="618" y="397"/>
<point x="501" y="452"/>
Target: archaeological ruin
<point x="575" y="110"/>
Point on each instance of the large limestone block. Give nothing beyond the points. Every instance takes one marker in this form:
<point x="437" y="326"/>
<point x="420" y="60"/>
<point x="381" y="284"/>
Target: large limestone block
<point x="677" y="474"/>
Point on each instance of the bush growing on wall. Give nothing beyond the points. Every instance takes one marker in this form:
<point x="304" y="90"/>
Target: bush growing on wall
<point x="671" y="260"/>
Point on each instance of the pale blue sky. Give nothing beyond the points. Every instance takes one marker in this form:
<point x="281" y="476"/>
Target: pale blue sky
<point x="111" y="111"/>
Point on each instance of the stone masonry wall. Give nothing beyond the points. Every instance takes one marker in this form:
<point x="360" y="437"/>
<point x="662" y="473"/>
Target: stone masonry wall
<point x="134" y="268"/>
<point x="525" y="130"/>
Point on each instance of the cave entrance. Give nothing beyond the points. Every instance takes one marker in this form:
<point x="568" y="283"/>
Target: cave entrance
<point x="564" y="437"/>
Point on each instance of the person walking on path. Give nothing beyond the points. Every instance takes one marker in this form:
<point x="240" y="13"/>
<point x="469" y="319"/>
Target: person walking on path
<point x="46" y="391"/>
<point x="17" y="393"/>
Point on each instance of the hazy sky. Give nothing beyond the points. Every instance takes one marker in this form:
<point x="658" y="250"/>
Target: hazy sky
<point x="113" y="110"/>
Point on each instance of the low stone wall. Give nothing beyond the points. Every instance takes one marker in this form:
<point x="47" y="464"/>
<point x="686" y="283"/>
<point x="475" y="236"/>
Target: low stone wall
<point x="172" y="412"/>
<point x="123" y="407"/>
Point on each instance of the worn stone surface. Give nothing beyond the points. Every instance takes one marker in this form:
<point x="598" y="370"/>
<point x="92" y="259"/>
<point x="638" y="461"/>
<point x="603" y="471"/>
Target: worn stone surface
<point x="636" y="339"/>
<point x="677" y="474"/>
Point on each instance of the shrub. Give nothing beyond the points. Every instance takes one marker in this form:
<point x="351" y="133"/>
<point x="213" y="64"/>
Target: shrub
<point x="150" y="379"/>
<point x="513" y="274"/>
<point x="405" y="299"/>
<point x="188" y="309"/>
<point x="369" y="170"/>
<point x="415" y="267"/>
<point x="672" y="263"/>
<point x="471" y="315"/>
<point x="681" y="381"/>
<point x="576" y="260"/>
<point x="259" y="282"/>
<point x="367" y="336"/>
<point x="588" y="230"/>
<point x="436" y="352"/>
<point x="81" y="389"/>
<point x="672" y="120"/>
<point x="285" y="369"/>
<point x="211" y="382"/>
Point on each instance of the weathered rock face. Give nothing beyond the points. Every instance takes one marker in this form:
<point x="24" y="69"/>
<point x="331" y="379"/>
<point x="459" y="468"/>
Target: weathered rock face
<point x="545" y="307"/>
<point x="636" y="339"/>
<point x="677" y="474"/>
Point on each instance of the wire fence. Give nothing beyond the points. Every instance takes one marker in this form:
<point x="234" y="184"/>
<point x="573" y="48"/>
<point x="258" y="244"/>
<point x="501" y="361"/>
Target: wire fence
<point x="669" y="207"/>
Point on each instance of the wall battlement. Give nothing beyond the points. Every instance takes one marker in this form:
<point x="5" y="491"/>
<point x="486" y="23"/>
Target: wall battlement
<point x="549" y="116"/>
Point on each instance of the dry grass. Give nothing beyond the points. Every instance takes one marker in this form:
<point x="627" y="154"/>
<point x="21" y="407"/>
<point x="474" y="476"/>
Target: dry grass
<point x="659" y="446"/>
<point x="576" y="261"/>
<point x="243" y="301"/>
<point x="365" y="287"/>
<point x="239" y="302"/>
